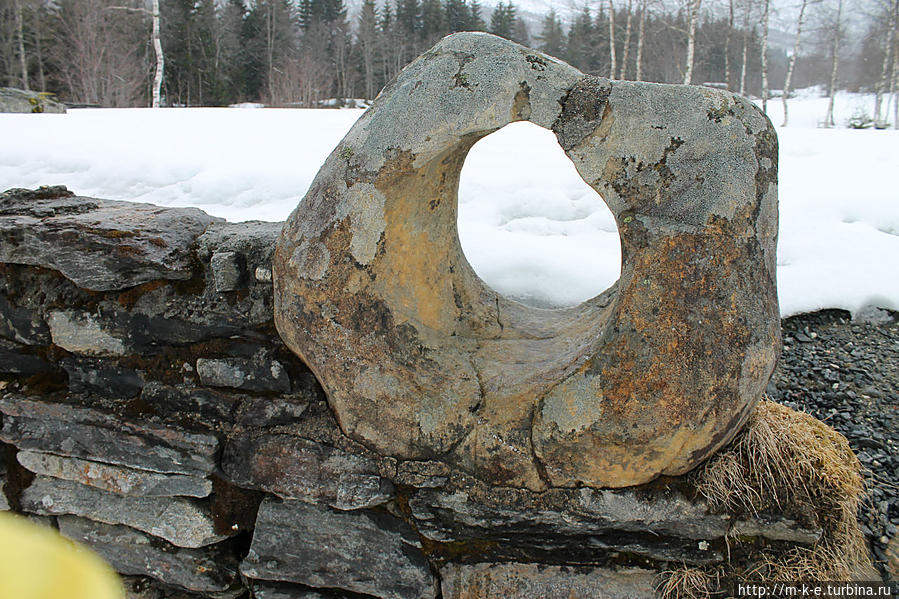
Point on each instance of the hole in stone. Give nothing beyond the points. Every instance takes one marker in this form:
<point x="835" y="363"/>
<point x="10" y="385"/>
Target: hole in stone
<point x="530" y="227"/>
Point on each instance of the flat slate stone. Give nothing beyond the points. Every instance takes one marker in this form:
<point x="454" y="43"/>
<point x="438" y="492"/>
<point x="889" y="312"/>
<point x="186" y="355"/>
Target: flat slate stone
<point x="15" y="359"/>
<point x="258" y="373"/>
<point x="297" y="468"/>
<point x="181" y="522"/>
<point x="575" y="524"/>
<point x="83" y="333"/>
<point x="115" y="479"/>
<point x="291" y="591"/>
<point x="21" y="324"/>
<point x="538" y="581"/>
<point x="228" y="271"/>
<point x="419" y="358"/>
<point x="362" y="552"/>
<point x="100" y="245"/>
<point x="75" y="431"/>
<point x="102" y="378"/>
<point x="130" y="552"/>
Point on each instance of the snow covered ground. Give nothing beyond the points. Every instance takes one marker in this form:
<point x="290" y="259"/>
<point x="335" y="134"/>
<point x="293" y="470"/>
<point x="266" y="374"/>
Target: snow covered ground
<point x="532" y="232"/>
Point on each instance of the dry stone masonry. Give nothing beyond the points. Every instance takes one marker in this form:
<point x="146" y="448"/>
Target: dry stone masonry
<point x="420" y="359"/>
<point x="466" y="446"/>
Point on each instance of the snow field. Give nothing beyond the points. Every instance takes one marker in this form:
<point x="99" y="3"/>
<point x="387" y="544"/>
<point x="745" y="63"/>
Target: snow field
<point x="531" y="228"/>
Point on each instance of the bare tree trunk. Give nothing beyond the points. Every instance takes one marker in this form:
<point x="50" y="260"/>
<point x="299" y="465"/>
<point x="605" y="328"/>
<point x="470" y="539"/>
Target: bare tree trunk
<point x="745" y="52"/>
<point x="828" y="119"/>
<point x="765" y="57"/>
<point x="730" y="30"/>
<point x="691" y="40"/>
<point x="894" y="80"/>
<point x="640" y="38"/>
<point x="20" y="42"/>
<point x="627" y="41"/>
<point x="38" y="34"/>
<point x="612" y="67"/>
<point x="270" y="47"/>
<point x="792" y="63"/>
<point x="887" y="55"/>
<point x="160" y="59"/>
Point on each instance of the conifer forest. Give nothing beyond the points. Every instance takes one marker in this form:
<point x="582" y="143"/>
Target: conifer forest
<point x="306" y="53"/>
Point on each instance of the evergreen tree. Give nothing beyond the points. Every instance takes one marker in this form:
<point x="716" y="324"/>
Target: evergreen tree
<point x="477" y="20"/>
<point x="230" y="83"/>
<point x="433" y="21"/>
<point x="579" y="50"/>
<point x="552" y="38"/>
<point x="458" y="15"/>
<point x="408" y="16"/>
<point x="520" y="32"/>
<point x="503" y="20"/>
<point x="367" y="44"/>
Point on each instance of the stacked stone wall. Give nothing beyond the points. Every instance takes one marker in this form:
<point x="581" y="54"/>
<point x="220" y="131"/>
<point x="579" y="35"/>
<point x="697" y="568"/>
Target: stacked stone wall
<point x="150" y="410"/>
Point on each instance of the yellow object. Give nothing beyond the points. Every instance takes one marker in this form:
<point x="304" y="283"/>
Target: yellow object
<point x="39" y="563"/>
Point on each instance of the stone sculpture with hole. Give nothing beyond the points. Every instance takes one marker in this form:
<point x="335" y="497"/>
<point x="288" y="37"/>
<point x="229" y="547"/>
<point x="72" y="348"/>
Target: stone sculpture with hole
<point x="421" y="360"/>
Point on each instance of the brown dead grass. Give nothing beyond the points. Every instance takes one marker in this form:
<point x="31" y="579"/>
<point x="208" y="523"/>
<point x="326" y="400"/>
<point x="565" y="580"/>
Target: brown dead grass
<point x="791" y="463"/>
<point x="684" y="583"/>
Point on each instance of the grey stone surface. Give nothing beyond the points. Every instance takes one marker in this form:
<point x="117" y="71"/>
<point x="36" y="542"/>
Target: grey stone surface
<point x="660" y="525"/>
<point x="262" y="590"/>
<point x="81" y="332"/>
<point x="259" y="373"/>
<point x="21" y="324"/>
<point x="228" y="271"/>
<point x="420" y="358"/>
<point x="115" y="479"/>
<point x="297" y="468"/>
<point x="130" y="552"/>
<point x="776" y="529"/>
<point x="4" y="502"/>
<point x="17" y="359"/>
<point x="538" y="581"/>
<point x="253" y="240"/>
<point x="102" y="377"/>
<point x="363" y="552"/>
<point x="86" y="433"/>
<point x="20" y="100"/>
<point x="181" y="522"/>
<point x="99" y="244"/>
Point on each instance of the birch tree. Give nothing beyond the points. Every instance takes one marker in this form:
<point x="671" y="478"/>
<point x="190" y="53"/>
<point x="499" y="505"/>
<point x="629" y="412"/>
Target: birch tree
<point x="828" y="119"/>
<point x="894" y="79"/>
<point x="641" y="31"/>
<point x="612" y="65"/>
<point x="627" y="41"/>
<point x="766" y="7"/>
<point x="792" y="63"/>
<point x="744" y="59"/>
<point x="20" y="43"/>
<point x="884" y="80"/>
<point x="160" y="58"/>
<point x="691" y="40"/>
<point x="730" y="30"/>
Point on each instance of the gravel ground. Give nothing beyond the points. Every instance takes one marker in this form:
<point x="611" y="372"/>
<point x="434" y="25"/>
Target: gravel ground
<point x="846" y="373"/>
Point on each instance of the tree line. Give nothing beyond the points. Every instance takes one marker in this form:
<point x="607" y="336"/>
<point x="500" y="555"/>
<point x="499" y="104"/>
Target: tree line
<point x="303" y="52"/>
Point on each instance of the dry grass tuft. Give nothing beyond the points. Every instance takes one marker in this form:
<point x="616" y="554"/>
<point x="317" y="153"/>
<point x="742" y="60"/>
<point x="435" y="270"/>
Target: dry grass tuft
<point x="788" y="461"/>
<point x="685" y="583"/>
<point x="782" y="458"/>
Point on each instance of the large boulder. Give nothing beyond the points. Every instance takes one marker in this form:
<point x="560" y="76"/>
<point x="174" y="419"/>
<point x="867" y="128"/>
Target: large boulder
<point x="420" y="359"/>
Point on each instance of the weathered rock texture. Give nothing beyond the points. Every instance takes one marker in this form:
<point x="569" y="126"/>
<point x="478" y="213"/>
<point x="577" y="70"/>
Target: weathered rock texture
<point x="421" y="360"/>
<point x="20" y="100"/>
<point x="150" y="410"/>
<point x="201" y="455"/>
